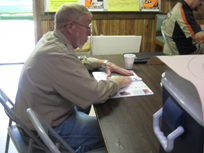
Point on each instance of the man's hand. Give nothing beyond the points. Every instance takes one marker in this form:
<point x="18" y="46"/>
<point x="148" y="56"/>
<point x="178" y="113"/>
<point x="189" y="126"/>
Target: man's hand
<point x="111" y="67"/>
<point x="199" y="36"/>
<point x="123" y="81"/>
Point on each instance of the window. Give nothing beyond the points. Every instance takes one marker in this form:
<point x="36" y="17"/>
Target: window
<point x="16" y="41"/>
<point x="16" y="30"/>
<point x="16" y="6"/>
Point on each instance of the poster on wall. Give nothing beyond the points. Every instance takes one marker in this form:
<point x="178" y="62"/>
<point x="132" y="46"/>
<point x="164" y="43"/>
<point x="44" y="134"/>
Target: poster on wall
<point x="92" y="5"/>
<point x="96" y="5"/>
<point x="107" y="5"/>
<point x="150" y="5"/>
<point x="121" y="5"/>
<point x="55" y="4"/>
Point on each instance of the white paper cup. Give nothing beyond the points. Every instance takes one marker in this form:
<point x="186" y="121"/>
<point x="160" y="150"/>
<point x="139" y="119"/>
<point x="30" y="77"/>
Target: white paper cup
<point x="129" y="60"/>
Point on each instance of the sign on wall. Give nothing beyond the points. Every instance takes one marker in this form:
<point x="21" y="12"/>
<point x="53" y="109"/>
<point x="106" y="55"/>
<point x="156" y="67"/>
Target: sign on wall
<point x="121" y="5"/>
<point x="55" y="4"/>
<point x="150" y="5"/>
<point x="108" y="5"/>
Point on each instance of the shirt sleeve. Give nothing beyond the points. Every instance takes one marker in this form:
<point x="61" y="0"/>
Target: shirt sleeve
<point x="90" y="63"/>
<point x="72" y="80"/>
<point x="188" y="24"/>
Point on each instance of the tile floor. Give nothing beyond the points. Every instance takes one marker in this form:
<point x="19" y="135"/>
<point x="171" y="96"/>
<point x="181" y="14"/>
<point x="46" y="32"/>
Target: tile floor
<point x="9" y="76"/>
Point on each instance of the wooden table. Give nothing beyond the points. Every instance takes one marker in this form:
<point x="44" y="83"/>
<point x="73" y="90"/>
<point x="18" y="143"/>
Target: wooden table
<point x="127" y="123"/>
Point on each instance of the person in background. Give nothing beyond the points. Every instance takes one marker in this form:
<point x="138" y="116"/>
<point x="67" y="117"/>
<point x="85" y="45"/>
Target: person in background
<point x="184" y="34"/>
<point x="57" y="84"/>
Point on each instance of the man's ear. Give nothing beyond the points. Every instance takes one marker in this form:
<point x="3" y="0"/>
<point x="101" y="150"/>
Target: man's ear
<point x="69" y="27"/>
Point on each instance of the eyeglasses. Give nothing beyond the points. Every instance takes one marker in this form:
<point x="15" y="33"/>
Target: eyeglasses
<point x="88" y="27"/>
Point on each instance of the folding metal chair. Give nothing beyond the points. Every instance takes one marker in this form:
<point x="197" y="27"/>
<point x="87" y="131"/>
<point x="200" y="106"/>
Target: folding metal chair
<point x="42" y="127"/>
<point x="34" y="144"/>
<point x="166" y="41"/>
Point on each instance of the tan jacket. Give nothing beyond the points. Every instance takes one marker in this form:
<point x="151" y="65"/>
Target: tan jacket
<point x="54" y="80"/>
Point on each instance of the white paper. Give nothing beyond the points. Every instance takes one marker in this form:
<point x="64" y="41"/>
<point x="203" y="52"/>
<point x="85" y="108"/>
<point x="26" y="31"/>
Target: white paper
<point x="136" y="88"/>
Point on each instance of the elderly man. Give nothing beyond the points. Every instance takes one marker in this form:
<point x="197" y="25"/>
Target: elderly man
<point x="183" y="33"/>
<point x="54" y="81"/>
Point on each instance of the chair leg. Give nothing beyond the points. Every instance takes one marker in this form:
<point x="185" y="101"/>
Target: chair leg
<point x="8" y="138"/>
<point x="58" y="144"/>
<point x="30" y="147"/>
<point x="7" y="143"/>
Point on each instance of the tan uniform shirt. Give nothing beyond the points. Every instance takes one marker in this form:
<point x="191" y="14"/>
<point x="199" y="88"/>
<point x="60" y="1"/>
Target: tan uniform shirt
<point x="54" y="80"/>
<point x="179" y="26"/>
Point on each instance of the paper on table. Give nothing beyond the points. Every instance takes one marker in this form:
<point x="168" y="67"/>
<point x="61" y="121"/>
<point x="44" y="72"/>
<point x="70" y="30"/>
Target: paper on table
<point x="103" y="76"/>
<point x="136" y="88"/>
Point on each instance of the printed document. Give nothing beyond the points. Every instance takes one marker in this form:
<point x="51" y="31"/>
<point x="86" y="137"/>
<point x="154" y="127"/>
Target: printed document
<point x="136" y="88"/>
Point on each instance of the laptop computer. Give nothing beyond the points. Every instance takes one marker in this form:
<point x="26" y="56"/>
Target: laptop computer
<point x="144" y="57"/>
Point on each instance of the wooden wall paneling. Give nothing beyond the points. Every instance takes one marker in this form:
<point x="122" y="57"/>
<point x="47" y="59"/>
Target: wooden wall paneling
<point x="148" y="35"/>
<point x="44" y="27"/>
<point x="164" y="6"/>
<point x="122" y="27"/>
<point x="95" y="27"/>
<point x="106" y="27"/>
<point x="100" y="27"/>
<point x="114" y="27"/>
<point x="167" y="5"/>
<point x="139" y="28"/>
<point x="129" y="26"/>
<point x="200" y="22"/>
<point x="47" y="26"/>
<point x="135" y="27"/>
<point x="199" y="14"/>
<point x="173" y="3"/>
<point x="122" y="15"/>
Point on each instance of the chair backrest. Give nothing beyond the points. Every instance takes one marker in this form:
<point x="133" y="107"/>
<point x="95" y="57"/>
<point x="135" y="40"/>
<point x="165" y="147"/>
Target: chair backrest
<point x="10" y="104"/>
<point x="166" y="41"/>
<point x="6" y="102"/>
<point x="159" y="18"/>
<point x="42" y="127"/>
